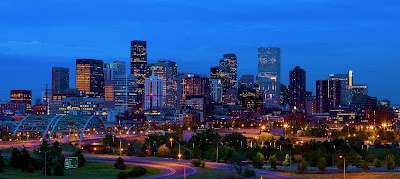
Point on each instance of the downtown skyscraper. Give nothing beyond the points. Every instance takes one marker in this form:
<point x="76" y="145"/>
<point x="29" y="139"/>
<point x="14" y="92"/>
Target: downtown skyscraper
<point x="297" y="89"/>
<point x="229" y="61"/>
<point x="59" y="79"/>
<point x="90" y="77"/>
<point x="269" y="76"/>
<point x="166" y="70"/>
<point x="139" y="67"/>
<point x="153" y="93"/>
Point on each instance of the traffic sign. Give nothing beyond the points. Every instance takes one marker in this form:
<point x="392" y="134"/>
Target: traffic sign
<point x="71" y="162"/>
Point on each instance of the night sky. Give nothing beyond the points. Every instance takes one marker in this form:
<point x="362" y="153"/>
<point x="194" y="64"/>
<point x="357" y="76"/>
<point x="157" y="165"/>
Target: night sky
<point x="321" y="36"/>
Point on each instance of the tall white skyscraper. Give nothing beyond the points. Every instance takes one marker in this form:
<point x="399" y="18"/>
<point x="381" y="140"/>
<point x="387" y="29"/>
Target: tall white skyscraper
<point x="153" y="92"/>
<point x="216" y="90"/>
<point x="269" y="75"/>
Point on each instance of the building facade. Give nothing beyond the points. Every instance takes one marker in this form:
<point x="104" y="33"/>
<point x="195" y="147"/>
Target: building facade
<point x="269" y="76"/>
<point x="328" y="95"/>
<point x="216" y="90"/>
<point x="90" y="77"/>
<point x="125" y="92"/>
<point x="153" y="93"/>
<point x="59" y="79"/>
<point x="139" y="67"/>
<point x="22" y="97"/>
<point x="188" y="84"/>
<point x="297" y="89"/>
<point x="166" y="70"/>
<point x="247" y="81"/>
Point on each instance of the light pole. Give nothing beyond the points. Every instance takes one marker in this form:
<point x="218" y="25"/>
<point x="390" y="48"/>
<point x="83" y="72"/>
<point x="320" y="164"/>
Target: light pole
<point x="344" y="166"/>
<point x="120" y="146"/>
<point x="333" y="163"/>
<point x="179" y="153"/>
<point x="45" y="163"/>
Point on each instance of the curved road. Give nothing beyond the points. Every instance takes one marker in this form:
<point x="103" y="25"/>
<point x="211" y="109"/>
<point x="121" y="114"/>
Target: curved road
<point x="169" y="168"/>
<point x="174" y="169"/>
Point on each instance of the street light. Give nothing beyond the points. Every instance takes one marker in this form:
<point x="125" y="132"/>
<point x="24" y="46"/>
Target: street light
<point x="179" y="154"/>
<point x="333" y="162"/>
<point x="344" y="166"/>
<point x="45" y="163"/>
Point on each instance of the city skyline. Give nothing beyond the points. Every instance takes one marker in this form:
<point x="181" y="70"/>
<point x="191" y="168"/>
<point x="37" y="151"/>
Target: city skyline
<point x="319" y="47"/>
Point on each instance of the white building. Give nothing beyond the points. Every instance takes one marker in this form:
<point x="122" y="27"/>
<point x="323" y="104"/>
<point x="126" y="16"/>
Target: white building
<point x="216" y="90"/>
<point x="153" y="92"/>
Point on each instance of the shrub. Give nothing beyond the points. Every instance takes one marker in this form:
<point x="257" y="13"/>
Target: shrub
<point x="297" y="158"/>
<point x="196" y="162"/>
<point x="272" y="161"/>
<point x="81" y="158"/>
<point x="390" y="163"/>
<point x="137" y="172"/>
<point x="364" y="165"/>
<point x="249" y="173"/>
<point x="321" y="164"/>
<point x="377" y="163"/>
<point x="258" y="160"/>
<point x="119" y="163"/>
<point x="302" y="168"/>
<point x="287" y="160"/>
<point x="122" y="175"/>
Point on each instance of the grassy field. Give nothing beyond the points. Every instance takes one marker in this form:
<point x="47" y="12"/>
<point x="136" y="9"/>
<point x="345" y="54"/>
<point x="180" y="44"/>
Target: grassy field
<point x="348" y="175"/>
<point x="211" y="174"/>
<point x="90" y="170"/>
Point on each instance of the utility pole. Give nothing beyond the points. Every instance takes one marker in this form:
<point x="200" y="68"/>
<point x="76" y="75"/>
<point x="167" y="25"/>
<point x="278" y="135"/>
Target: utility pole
<point x="46" y="103"/>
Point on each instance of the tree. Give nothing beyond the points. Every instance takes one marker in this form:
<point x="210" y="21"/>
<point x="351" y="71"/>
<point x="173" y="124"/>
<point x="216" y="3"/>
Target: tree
<point x="287" y="160"/>
<point x="226" y="153"/>
<point x="272" y="161"/>
<point x="266" y="137"/>
<point x="120" y="165"/>
<point x="321" y="164"/>
<point x="163" y="151"/>
<point x="258" y="160"/>
<point x="15" y="158"/>
<point x="1" y="162"/>
<point x="130" y="151"/>
<point x="144" y="149"/>
<point x="236" y="140"/>
<point x="302" y="168"/>
<point x="59" y="170"/>
<point x="237" y="162"/>
<point x="25" y="160"/>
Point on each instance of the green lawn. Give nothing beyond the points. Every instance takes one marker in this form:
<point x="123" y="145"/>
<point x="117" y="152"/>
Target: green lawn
<point x="90" y="170"/>
<point x="211" y="174"/>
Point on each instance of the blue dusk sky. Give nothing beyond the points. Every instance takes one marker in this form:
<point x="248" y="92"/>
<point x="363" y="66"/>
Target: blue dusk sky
<point x="321" y="36"/>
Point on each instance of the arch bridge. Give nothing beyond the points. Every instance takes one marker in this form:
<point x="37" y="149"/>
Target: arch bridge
<point x="48" y="126"/>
